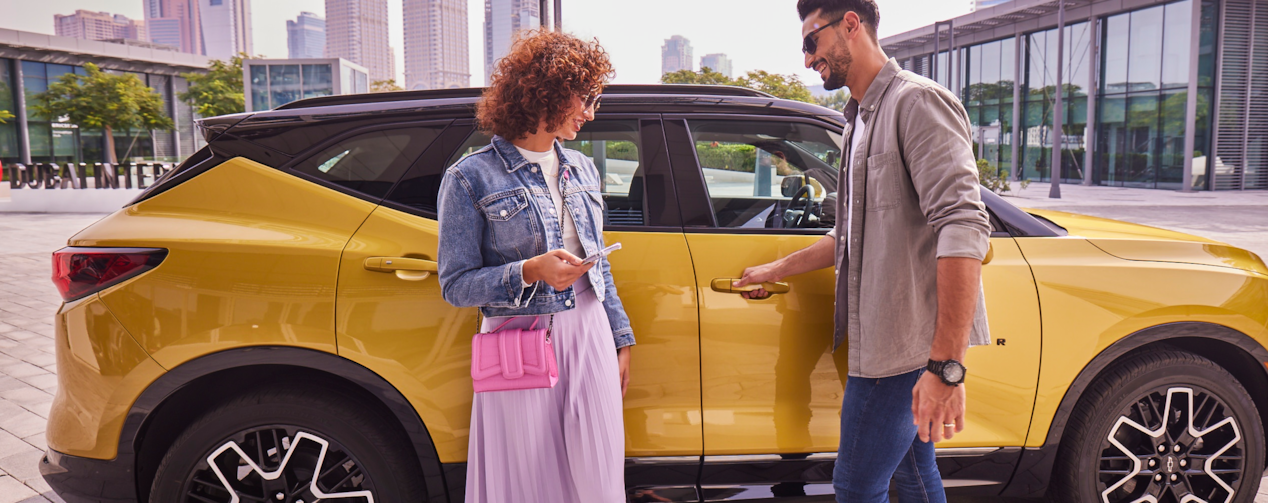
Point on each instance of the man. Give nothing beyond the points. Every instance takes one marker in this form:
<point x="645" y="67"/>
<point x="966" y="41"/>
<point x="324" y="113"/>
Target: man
<point x="911" y="233"/>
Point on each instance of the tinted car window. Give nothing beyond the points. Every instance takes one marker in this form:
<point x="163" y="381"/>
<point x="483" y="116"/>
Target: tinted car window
<point x="369" y="162"/>
<point x="754" y="169"/>
<point x="614" y="147"/>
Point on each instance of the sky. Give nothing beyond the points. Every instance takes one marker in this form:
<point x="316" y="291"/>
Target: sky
<point x="755" y="34"/>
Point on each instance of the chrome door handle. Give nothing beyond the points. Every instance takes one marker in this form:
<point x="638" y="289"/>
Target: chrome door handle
<point x="723" y="285"/>
<point x="409" y="269"/>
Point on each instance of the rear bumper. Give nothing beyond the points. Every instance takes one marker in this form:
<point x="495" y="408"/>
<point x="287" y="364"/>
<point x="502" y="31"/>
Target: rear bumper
<point x="87" y="480"/>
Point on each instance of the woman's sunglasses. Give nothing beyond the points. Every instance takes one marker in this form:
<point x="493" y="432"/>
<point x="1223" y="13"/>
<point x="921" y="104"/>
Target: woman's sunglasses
<point x="592" y="100"/>
<point x="810" y="44"/>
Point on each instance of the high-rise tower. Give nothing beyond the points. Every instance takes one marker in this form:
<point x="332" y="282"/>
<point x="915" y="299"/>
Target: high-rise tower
<point x="226" y="27"/>
<point x="436" y="55"/>
<point x="306" y="36"/>
<point x="502" y="19"/>
<point x="357" y="30"/>
<point x="675" y="55"/>
<point x="175" y="23"/>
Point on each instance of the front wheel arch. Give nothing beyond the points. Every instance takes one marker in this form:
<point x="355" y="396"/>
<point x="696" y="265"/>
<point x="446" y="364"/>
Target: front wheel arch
<point x="1233" y="350"/>
<point x="178" y="397"/>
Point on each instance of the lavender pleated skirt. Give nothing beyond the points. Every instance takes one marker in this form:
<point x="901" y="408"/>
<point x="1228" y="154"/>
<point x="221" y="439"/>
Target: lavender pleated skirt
<point x="559" y="445"/>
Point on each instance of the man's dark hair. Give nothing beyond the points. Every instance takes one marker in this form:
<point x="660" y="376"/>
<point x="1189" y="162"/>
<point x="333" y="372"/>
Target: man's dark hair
<point x="867" y="10"/>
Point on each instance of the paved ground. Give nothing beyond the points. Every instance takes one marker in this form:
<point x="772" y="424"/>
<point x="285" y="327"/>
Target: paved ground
<point x="28" y="300"/>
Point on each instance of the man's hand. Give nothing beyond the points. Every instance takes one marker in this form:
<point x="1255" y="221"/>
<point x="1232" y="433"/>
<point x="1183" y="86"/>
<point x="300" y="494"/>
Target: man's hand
<point x="935" y="405"/>
<point x="623" y="361"/>
<point x="765" y="273"/>
<point x="557" y="268"/>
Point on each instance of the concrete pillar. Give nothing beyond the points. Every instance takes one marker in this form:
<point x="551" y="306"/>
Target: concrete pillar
<point x="1018" y="71"/>
<point x="1093" y="52"/>
<point x="1191" y="104"/>
<point x="1058" y="112"/>
<point x="24" y="133"/>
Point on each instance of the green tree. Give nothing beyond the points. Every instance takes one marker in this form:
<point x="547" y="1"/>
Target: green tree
<point x="385" y="86"/>
<point x="4" y="116"/>
<point x="219" y="91"/>
<point x="102" y="100"/>
<point x="835" y="101"/>
<point x="706" y="75"/>
<point x="788" y="87"/>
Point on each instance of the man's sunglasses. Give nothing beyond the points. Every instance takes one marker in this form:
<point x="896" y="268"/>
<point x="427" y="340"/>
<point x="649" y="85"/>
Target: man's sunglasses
<point x="810" y="44"/>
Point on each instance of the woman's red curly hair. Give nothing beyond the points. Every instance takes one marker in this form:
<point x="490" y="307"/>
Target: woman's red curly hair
<point x="538" y="81"/>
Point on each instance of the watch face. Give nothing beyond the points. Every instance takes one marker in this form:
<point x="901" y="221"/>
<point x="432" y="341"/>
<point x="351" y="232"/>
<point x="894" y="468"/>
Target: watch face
<point x="953" y="372"/>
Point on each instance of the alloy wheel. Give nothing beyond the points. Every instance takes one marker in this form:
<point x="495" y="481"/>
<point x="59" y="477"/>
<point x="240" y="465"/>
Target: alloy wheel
<point x="1172" y="445"/>
<point x="278" y="464"/>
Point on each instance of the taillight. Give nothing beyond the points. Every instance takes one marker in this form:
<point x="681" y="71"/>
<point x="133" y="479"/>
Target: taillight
<point x="78" y="272"/>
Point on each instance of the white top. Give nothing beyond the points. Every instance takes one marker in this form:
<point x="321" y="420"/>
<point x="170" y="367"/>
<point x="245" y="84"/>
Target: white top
<point x="856" y="141"/>
<point x="549" y="162"/>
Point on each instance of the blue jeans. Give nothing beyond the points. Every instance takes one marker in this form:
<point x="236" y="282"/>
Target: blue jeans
<point x="879" y="442"/>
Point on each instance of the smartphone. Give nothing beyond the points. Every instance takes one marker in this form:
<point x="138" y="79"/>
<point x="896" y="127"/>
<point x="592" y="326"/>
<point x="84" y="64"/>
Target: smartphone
<point x="601" y="253"/>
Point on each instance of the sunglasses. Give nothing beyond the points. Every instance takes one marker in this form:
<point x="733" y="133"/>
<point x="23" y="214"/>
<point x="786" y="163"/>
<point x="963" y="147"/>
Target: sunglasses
<point x="810" y="44"/>
<point x="592" y="100"/>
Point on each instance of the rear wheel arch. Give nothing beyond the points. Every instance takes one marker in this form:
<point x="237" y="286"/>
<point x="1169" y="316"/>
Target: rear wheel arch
<point x="1233" y="350"/>
<point x="177" y="398"/>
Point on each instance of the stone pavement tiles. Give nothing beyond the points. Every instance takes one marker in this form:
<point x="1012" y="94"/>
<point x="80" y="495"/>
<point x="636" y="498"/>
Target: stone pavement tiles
<point x="28" y="302"/>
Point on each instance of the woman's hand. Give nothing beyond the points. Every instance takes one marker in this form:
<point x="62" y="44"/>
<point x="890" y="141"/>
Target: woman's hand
<point x="557" y="268"/>
<point x="623" y="360"/>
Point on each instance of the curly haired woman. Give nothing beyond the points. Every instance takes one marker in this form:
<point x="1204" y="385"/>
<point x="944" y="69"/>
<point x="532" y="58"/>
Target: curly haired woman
<point x="515" y="217"/>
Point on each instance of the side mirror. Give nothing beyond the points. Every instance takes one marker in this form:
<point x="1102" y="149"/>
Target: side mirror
<point x="790" y="185"/>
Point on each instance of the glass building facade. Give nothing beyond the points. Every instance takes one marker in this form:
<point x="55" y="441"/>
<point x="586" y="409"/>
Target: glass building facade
<point x="55" y="139"/>
<point x="273" y="83"/>
<point x="1125" y="83"/>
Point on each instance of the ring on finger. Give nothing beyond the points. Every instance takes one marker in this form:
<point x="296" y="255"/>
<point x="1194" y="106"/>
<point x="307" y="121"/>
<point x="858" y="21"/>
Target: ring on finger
<point x="948" y="425"/>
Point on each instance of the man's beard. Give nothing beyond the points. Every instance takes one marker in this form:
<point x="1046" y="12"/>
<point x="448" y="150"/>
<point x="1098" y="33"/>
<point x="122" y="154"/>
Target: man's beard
<point x="839" y="63"/>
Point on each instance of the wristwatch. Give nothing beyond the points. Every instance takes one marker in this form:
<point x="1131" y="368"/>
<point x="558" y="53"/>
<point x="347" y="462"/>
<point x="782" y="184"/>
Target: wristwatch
<point x="950" y="371"/>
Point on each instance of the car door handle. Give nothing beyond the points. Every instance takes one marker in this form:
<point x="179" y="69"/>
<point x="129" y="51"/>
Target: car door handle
<point x="409" y="269"/>
<point x="724" y="285"/>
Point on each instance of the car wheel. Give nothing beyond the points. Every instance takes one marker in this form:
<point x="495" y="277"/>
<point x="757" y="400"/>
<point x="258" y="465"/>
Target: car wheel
<point x="1162" y="426"/>
<point x="289" y="446"/>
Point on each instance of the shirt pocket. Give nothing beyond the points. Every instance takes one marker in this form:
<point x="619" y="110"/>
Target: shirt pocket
<point x="504" y="206"/>
<point x="883" y="172"/>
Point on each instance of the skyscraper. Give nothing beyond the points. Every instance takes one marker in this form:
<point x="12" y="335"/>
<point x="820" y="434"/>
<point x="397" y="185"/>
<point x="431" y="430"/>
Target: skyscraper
<point x="502" y="19"/>
<point x="356" y="30"/>
<point x="718" y="63"/>
<point x="175" y="23"/>
<point x="306" y="36"/>
<point x="226" y="27"/>
<point x="675" y="55"/>
<point x="91" y="25"/>
<point x="436" y="55"/>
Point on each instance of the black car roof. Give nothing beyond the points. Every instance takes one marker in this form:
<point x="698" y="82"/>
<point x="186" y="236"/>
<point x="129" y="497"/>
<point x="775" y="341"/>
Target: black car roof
<point x="460" y="103"/>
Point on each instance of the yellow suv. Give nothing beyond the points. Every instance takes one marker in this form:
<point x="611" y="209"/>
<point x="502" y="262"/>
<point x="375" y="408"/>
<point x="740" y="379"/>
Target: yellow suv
<point x="237" y="334"/>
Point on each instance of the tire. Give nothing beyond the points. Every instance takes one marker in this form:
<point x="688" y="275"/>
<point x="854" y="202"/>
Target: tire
<point x="282" y="431"/>
<point x="1129" y="404"/>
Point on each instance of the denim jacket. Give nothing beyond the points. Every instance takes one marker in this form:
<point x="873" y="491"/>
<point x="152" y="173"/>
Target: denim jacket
<point x="495" y="214"/>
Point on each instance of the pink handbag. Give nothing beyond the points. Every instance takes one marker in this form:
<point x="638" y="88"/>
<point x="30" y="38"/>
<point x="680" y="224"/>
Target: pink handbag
<point x="514" y="358"/>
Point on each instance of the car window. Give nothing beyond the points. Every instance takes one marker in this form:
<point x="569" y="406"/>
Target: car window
<point x="369" y="162"/>
<point x="614" y="147"/>
<point x="768" y="175"/>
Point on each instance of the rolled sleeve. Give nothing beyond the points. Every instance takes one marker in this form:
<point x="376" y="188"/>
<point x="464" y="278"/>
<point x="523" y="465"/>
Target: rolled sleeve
<point x="963" y="241"/>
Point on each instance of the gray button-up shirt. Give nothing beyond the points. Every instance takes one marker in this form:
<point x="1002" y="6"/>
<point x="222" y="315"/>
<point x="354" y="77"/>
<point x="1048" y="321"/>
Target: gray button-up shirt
<point x="916" y="200"/>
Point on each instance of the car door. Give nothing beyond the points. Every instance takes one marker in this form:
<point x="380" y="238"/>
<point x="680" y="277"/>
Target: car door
<point x="396" y="323"/>
<point x="771" y="388"/>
